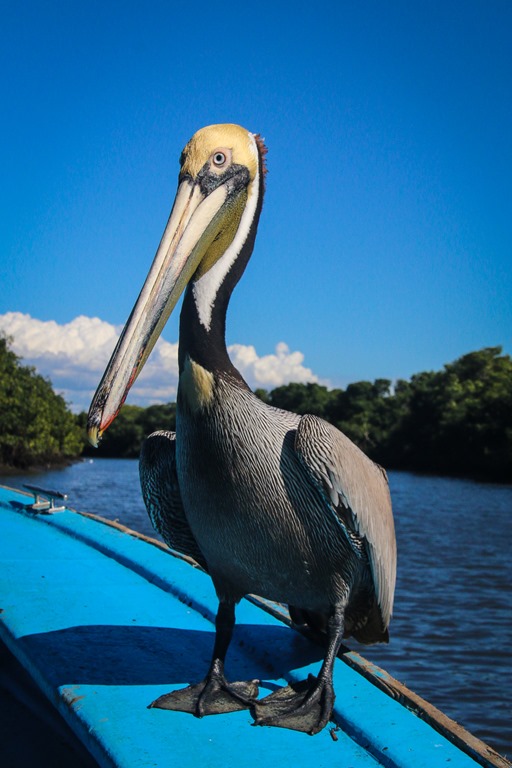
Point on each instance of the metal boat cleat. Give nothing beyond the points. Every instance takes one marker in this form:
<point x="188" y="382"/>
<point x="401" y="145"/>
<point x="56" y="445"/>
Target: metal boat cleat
<point x="44" y="500"/>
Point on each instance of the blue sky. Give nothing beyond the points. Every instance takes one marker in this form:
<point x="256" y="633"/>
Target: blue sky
<point x="385" y="244"/>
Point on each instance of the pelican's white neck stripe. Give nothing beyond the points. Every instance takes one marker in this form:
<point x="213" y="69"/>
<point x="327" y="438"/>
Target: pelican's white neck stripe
<point x="206" y="288"/>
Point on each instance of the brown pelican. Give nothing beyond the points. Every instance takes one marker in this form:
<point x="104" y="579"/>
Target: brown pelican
<point x="269" y="503"/>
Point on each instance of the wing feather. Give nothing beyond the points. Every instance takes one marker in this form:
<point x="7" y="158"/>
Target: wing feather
<point x="161" y="493"/>
<point x="358" y="492"/>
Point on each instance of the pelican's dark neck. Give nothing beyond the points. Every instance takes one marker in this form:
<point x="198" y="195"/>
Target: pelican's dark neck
<point x="204" y="341"/>
<point x="205" y="346"/>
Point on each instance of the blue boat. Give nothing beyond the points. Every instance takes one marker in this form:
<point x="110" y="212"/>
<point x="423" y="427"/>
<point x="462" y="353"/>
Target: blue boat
<point x="100" y="620"/>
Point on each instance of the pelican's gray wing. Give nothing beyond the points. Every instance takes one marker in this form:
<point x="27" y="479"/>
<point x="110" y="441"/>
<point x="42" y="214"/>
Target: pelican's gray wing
<point x="356" y="490"/>
<point x="161" y="494"/>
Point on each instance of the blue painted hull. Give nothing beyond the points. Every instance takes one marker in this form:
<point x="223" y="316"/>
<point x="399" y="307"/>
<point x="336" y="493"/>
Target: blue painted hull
<point x="105" y="621"/>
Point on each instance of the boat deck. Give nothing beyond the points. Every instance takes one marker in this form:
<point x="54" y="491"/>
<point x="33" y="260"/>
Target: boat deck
<point x="105" y="621"/>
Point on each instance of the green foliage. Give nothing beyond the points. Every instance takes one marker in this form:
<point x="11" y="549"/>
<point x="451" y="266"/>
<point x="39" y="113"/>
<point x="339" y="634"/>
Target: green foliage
<point x="362" y="412"/>
<point x="36" y="426"/>
<point x="301" y="398"/>
<point x="459" y="420"/>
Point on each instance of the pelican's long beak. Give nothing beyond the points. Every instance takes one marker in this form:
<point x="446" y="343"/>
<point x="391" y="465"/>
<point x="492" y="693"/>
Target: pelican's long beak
<point x="196" y="219"/>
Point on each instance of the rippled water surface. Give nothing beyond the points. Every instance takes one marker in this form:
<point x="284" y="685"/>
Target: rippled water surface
<point x="451" y="633"/>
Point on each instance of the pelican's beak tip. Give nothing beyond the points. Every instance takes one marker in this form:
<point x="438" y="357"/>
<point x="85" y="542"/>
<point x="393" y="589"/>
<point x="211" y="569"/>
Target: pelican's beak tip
<point x="94" y="435"/>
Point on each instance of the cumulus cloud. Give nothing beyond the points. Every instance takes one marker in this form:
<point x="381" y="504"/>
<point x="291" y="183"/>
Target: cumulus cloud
<point x="270" y="371"/>
<point x="74" y="355"/>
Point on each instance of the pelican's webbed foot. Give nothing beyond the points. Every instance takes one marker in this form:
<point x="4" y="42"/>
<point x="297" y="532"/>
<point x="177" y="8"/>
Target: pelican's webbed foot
<point x="213" y="696"/>
<point x="305" y="706"/>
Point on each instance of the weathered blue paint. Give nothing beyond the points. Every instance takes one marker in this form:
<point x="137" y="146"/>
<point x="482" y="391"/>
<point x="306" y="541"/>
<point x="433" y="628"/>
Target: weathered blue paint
<point x="105" y="622"/>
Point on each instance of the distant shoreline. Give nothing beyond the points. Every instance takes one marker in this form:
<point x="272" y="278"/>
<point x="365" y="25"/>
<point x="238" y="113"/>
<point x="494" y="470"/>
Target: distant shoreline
<point x="45" y="466"/>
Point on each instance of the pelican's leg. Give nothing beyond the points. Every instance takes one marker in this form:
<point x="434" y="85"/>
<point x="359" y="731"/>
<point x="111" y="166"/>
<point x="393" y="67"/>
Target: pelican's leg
<point x="214" y="695"/>
<point x="306" y="706"/>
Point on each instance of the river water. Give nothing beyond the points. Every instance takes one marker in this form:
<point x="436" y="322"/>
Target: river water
<point x="451" y="633"/>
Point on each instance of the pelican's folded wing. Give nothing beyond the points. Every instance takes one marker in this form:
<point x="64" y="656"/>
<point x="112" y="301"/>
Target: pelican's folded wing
<point x="161" y="493"/>
<point x="356" y="490"/>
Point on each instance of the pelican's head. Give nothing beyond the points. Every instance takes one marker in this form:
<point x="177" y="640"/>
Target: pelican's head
<point x="219" y="187"/>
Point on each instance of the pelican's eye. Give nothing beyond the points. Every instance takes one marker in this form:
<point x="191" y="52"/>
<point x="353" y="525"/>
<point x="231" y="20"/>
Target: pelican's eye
<point x="221" y="158"/>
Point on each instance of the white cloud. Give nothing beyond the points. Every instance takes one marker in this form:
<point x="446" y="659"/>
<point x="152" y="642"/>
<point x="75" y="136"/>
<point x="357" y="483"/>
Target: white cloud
<point x="271" y="370"/>
<point x="74" y="355"/>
